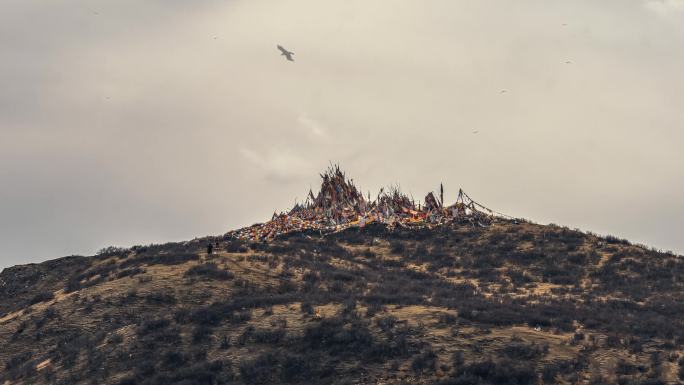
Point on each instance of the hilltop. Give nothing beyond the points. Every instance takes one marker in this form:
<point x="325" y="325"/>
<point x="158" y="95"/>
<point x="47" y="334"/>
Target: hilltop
<point x="427" y="293"/>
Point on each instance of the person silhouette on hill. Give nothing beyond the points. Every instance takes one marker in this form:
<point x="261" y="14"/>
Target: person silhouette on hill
<point x="210" y="248"/>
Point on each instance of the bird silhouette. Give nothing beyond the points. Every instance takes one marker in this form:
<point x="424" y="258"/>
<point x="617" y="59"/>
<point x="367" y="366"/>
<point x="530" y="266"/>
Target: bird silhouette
<point x="286" y="53"/>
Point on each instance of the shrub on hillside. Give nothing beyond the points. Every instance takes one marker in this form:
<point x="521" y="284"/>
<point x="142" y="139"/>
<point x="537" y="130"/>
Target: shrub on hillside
<point x="152" y="325"/>
<point x="159" y="259"/>
<point x="521" y="351"/>
<point x="209" y="271"/>
<point x="42" y="297"/>
<point x="279" y="367"/>
<point x="504" y="372"/>
<point x="425" y="362"/>
<point x="111" y="251"/>
<point x="130" y="272"/>
<point x="161" y="298"/>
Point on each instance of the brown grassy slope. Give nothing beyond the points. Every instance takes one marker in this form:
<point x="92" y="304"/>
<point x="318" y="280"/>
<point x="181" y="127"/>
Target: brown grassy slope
<point x="507" y="304"/>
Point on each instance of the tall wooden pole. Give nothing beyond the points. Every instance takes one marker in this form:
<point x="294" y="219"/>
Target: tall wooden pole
<point x="441" y="195"/>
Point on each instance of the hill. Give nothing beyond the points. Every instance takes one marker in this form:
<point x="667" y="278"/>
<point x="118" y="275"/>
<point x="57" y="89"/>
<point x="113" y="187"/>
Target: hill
<point x="488" y="300"/>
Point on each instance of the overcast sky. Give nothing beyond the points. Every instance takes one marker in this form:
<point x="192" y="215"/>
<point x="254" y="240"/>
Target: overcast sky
<point x="128" y="122"/>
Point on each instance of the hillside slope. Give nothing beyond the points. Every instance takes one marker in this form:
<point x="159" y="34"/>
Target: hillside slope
<point x="510" y="303"/>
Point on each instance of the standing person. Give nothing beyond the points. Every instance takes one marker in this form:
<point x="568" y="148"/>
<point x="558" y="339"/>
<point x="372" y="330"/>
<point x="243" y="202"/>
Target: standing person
<point x="210" y="248"/>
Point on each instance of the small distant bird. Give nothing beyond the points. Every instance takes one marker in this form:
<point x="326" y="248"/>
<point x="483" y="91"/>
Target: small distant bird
<point x="568" y="62"/>
<point x="475" y="132"/>
<point x="286" y="53"/>
<point x="502" y="91"/>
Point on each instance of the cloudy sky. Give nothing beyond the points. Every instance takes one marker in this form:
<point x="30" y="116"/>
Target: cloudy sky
<point x="129" y="122"/>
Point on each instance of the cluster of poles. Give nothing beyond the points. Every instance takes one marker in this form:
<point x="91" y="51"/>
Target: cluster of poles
<point x="340" y="205"/>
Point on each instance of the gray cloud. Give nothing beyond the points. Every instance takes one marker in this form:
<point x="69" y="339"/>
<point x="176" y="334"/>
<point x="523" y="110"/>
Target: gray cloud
<point x="133" y="122"/>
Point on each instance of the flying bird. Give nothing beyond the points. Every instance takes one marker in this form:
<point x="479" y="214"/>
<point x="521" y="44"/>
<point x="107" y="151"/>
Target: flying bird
<point x="286" y="53"/>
